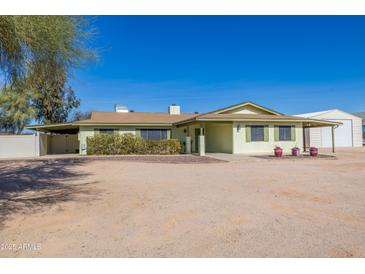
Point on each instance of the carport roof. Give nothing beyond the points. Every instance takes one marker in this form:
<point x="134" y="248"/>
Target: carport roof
<point x="56" y="128"/>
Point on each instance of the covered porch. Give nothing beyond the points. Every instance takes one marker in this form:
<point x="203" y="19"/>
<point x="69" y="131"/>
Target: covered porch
<point x="230" y="137"/>
<point x="204" y="138"/>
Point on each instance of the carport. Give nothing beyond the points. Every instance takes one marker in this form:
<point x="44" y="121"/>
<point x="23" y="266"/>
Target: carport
<point x="58" y="138"/>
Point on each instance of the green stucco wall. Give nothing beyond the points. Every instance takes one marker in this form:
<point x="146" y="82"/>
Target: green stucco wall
<point x="240" y="145"/>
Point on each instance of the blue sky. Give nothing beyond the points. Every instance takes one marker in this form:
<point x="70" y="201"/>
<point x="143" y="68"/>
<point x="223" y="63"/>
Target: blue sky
<point x="293" y="64"/>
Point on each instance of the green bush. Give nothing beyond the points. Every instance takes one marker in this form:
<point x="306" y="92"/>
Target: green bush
<point x="104" y="144"/>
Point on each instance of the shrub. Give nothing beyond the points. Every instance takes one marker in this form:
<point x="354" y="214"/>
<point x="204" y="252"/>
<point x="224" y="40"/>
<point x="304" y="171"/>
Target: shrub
<point x="101" y="144"/>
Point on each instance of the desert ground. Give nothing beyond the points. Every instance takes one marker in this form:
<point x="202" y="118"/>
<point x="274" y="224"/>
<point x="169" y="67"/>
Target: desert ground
<point x="184" y="207"/>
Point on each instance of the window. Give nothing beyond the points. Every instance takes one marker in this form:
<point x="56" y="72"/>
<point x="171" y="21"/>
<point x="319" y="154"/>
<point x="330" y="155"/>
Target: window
<point x="257" y="133"/>
<point x="154" y="134"/>
<point x="285" y="133"/>
<point x="106" y="131"/>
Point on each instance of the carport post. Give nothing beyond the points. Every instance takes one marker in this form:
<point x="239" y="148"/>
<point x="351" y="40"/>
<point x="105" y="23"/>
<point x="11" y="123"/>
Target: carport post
<point x="333" y="138"/>
<point x="37" y="144"/>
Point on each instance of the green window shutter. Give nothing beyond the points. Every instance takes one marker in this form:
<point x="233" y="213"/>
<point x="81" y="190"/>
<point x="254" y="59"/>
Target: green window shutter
<point x="116" y="131"/>
<point x="248" y="134"/>
<point x="293" y="133"/>
<point x="276" y="133"/>
<point x="266" y="133"/>
<point x="96" y="131"/>
<point x="169" y="134"/>
<point x="138" y="132"/>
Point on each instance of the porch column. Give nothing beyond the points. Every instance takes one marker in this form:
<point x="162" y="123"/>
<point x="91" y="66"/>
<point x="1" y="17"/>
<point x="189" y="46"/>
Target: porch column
<point x="188" y="145"/>
<point x="201" y="142"/>
<point x="333" y="138"/>
<point x="187" y="141"/>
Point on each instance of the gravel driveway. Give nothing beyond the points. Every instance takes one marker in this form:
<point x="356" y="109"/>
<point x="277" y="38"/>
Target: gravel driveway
<point x="248" y="208"/>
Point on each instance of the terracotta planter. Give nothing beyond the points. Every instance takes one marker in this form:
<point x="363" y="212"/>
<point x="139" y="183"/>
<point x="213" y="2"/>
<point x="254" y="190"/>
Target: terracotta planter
<point x="295" y="151"/>
<point x="278" y="152"/>
<point x="313" y="151"/>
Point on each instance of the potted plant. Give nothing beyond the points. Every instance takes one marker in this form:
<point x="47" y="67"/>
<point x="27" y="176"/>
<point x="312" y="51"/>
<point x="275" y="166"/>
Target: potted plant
<point x="278" y="151"/>
<point x="295" y="151"/>
<point x="313" y="151"/>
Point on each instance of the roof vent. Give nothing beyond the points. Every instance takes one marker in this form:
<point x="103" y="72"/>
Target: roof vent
<point x="174" y="109"/>
<point x="121" y="108"/>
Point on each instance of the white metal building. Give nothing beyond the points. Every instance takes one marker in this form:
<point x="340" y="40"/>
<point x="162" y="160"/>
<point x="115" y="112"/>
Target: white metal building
<point x="349" y="134"/>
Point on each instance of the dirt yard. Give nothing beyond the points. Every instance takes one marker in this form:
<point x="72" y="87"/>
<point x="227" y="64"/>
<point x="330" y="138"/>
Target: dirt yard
<point x="249" y="207"/>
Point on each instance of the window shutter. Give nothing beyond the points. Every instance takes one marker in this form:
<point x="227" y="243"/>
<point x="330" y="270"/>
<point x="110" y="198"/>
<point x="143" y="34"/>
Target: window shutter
<point x="248" y="134"/>
<point x="168" y="134"/>
<point x="96" y="131"/>
<point x="116" y="131"/>
<point x="276" y="133"/>
<point x="293" y="133"/>
<point x="266" y="133"/>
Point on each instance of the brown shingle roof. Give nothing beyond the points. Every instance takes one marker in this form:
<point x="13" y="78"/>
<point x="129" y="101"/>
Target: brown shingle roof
<point x="165" y="119"/>
<point x="135" y="118"/>
<point x="247" y="116"/>
<point x="160" y="118"/>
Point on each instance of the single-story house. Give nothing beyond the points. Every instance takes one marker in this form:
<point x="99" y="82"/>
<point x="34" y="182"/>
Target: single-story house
<point x="362" y="116"/>
<point x="242" y="128"/>
<point x="347" y="134"/>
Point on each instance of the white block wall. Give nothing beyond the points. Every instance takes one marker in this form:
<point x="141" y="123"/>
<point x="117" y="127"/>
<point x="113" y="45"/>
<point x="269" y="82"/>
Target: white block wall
<point x="17" y="146"/>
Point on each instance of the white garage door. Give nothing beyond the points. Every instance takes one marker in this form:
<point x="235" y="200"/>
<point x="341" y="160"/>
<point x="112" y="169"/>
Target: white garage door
<point x="343" y="134"/>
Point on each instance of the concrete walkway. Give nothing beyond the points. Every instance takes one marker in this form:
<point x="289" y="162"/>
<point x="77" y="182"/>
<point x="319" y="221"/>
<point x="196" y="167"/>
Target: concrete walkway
<point x="231" y="157"/>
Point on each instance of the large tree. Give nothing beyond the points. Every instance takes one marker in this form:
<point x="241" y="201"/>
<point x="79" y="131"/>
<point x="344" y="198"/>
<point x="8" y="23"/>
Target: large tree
<point x="37" y="55"/>
<point x="16" y="109"/>
<point x="54" y="97"/>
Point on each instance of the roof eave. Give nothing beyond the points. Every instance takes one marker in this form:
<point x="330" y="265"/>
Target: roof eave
<point x="314" y="123"/>
<point x="125" y="124"/>
<point x="32" y="127"/>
